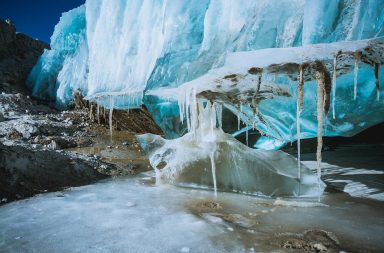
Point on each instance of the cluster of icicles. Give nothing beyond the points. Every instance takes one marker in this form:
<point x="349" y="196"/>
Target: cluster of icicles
<point x="110" y="100"/>
<point x="321" y="103"/>
<point x="202" y="119"/>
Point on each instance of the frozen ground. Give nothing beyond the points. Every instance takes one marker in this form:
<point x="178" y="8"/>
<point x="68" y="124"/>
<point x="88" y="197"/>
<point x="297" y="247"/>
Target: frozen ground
<point x="135" y="215"/>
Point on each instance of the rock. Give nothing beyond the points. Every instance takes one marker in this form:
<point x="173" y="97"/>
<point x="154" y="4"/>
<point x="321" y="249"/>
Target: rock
<point x="84" y="142"/>
<point x="319" y="247"/>
<point x="37" y="139"/>
<point x="25" y="171"/>
<point x="211" y="205"/>
<point x="18" y="54"/>
<point x="53" y="145"/>
<point x="14" y="134"/>
<point x="310" y="241"/>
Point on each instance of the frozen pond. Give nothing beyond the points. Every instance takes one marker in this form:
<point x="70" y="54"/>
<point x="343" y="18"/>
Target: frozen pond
<point x="135" y="215"/>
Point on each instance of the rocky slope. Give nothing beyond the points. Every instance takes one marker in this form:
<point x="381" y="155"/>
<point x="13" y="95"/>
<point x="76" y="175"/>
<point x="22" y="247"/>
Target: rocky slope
<point x="18" y="54"/>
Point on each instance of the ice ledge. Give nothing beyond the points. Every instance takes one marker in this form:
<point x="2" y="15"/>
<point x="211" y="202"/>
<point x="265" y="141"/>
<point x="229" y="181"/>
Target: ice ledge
<point x="242" y="71"/>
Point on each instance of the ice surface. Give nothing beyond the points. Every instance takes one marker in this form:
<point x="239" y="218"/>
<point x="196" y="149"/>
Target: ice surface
<point x="130" y="215"/>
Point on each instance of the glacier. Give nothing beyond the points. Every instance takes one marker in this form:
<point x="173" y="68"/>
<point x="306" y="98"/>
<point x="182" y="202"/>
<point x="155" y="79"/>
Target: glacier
<point x="129" y="47"/>
<point x="167" y="55"/>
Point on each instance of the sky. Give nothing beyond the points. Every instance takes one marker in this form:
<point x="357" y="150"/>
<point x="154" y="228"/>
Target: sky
<point x="36" y="18"/>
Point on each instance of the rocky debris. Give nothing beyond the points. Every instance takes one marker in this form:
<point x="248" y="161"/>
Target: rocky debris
<point x="18" y="54"/>
<point x="317" y="241"/>
<point x="33" y="140"/>
<point x="27" y="170"/>
<point x="135" y="120"/>
<point x="211" y="205"/>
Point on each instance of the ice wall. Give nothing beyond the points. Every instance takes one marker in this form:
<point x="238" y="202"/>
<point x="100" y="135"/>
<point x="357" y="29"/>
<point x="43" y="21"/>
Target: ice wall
<point x="64" y="68"/>
<point x="121" y="49"/>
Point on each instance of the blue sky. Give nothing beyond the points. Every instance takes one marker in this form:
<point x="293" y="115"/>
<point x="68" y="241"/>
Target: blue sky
<point x="36" y="18"/>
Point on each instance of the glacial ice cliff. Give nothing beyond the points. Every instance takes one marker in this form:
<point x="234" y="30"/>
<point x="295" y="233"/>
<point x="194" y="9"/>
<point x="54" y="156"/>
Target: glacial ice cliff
<point x="123" y="48"/>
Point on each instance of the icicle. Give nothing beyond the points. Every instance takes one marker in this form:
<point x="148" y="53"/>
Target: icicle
<point x="187" y="109"/>
<point x="299" y="108"/>
<point x="356" y="69"/>
<point x="194" y="114"/>
<point x="212" y="116"/>
<point x="334" y="86"/>
<point x="258" y="84"/>
<point x="246" y="136"/>
<point x="219" y="114"/>
<point x="98" y="114"/>
<point x="213" y="166"/>
<point x="238" y="121"/>
<point x="111" y="104"/>
<point x="90" y="112"/>
<point x="320" y="76"/>
<point x="377" y="80"/>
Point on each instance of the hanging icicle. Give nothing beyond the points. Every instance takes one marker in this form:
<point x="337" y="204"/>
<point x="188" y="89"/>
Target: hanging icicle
<point x="299" y="109"/>
<point x="320" y="77"/>
<point x="334" y="86"/>
<point x="98" y="114"/>
<point x="246" y="136"/>
<point x="377" y="80"/>
<point x="213" y="167"/>
<point x="111" y="105"/>
<point x="238" y="117"/>
<point x="90" y="112"/>
<point x="219" y="114"/>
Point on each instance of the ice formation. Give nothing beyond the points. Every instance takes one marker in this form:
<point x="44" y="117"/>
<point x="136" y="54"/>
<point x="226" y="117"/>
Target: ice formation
<point x="273" y="104"/>
<point x="208" y="158"/>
